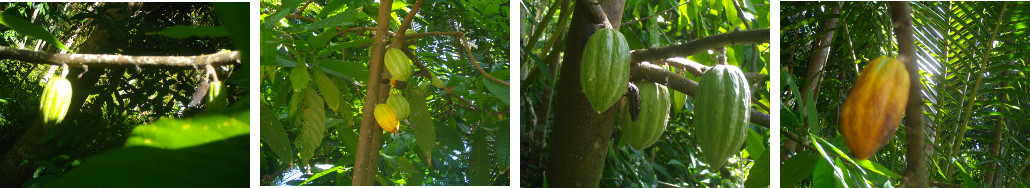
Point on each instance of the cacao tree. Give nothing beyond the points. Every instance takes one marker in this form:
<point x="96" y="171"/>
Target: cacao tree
<point x="578" y="106"/>
<point x="134" y="91"/>
<point x="960" y="123"/>
<point x="408" y="93"/>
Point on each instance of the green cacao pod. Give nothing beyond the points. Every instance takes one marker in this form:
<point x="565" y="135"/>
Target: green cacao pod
<point x="398" y="64"/>
<point x="399" y="105"/>
<point x="875" y="106"/>
<point x="437" y="82"/>
<point x="216" y="96"/>
<point x="54" y="103"/>
<point x="721" y="111"/>
<point x="386" y="118"/>
<point x="604" y="69"/>
<point x="678" y="100"/>
<point x="654" y="116"/>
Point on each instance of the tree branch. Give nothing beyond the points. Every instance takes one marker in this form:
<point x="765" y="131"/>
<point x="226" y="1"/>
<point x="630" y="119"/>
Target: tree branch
<point x="656" y="74"/>
<point x="754" y="36"/>
<point x="915" y="172"/>
<point x="104" y="60"/>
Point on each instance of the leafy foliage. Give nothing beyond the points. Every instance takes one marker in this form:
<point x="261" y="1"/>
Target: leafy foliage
<point x="108" y="103"/>
<point x="972" y="69"/>
<point x="453" y="135"/>
<point x="674" y="160"/>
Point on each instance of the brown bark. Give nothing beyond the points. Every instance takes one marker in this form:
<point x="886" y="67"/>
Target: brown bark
<point x="915" y="172"/>
<point x="579" y="141"/>
<point x="820" y="53"/>
<point x="370" y="137"/>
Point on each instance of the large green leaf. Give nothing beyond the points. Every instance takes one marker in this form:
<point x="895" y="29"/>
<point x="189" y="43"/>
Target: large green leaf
<point x="221" y="163"/>
<point x="312" y="126"/>
<point x="330" y="93"/>
<point x="273" y="135"/>
<point x="29" y="29"/>
<point x="421" y="121"/>
<point x="189" y="132"/>
<point x="480" y="160"/>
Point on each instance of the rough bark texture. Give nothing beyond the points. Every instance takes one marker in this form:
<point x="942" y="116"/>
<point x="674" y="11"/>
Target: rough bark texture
<point x="579" y="141"/>
<point x="915" y="173"/>
<point x="371" y="136"/>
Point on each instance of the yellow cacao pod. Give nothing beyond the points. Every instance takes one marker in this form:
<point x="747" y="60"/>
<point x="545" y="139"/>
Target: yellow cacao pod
<point x="55" y="101"/>
<point x="397" y="64"/>
<point x="875" y="106"/>
<point x="386" y="118"/>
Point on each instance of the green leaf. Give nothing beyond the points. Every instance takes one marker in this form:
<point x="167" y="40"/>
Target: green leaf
<point x="330" y="93"/>
<point x="29" y="29"/>
<point x="502" y="144"/>
<point x="188" y="132"/>
<point x="185" y="31"/>
<point x="825" y="174"/>
<point x="353" y="71"/>
<point x="755" y="143"/>
<point x="758" y="176"/>
<point x="421" y="121"/>
<point x="345" y="19"/>
<point x="221" y="163"/>
<point x="498" y="90"/>
<point x="299" y="77"/>
<point x="480" y="160"/>
<point x="798" y="168"/>
<point x="876" y="167"/>
<point x="312" y="126"/>
<point x="273" y="135"/>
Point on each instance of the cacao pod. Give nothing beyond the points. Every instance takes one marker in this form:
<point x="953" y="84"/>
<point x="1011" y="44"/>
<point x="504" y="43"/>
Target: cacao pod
<point x="875" y="106"/>
<point x="399" y="105"/>
<point x="397" y="64"/>
<point x="437" y="82"/>
<point x="654" y="116"/>
<point x="386" y="118"/>
<point x="678" y="100"/>
<point x="721" y="111"/>
<point x="216" y="96"/>
<point x="604" y="69"/>
<point x="56" y="98"/>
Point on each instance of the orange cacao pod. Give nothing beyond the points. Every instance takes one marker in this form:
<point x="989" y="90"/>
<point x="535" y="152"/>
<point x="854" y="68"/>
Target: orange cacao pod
<point x="875" y="106"/>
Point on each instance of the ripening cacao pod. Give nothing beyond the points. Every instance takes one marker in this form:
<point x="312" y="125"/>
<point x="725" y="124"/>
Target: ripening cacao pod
<point x="216" y="96"/>
<point x="399" y="105"/>
<point x="875" y="106"/>
<point x="386" y="118"/>
<point x="604" y="69"/>
<point x="54" y="103"/>
<point x="721" y="111"/>
<point x="397" y="64"/>
<point x="654" y="116"/>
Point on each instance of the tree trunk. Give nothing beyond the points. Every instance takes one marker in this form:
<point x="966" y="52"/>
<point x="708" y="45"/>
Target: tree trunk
<point x="370" y="138"/>
<point x="580" y="137"/>
<point x="820" y="53"/>
<point x="915" y="172"/>
<point x="999" y="130"/>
